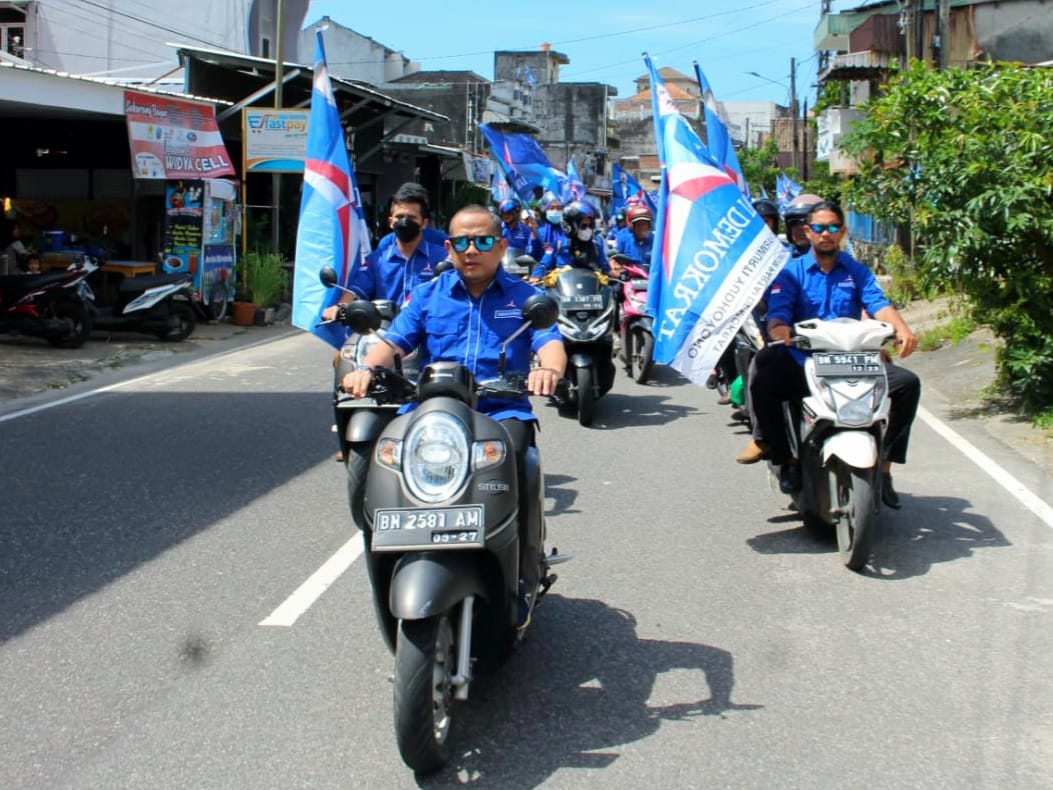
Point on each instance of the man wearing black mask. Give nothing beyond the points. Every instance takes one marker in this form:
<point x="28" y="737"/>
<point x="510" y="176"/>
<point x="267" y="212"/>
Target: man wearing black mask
<point x="395" y="267"/>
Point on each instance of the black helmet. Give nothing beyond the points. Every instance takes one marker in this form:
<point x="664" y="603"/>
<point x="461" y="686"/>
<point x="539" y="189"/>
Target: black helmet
<point x="766" y="209"/>
<point x="573" y="213"/>
<point x="800" y="207"/>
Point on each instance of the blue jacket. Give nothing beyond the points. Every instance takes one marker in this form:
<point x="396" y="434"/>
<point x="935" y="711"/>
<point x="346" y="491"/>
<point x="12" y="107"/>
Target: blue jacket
<point x="385" y="274"/>
<point x="627" y="244"/>
<point x="562" y="256"/>
<point x="551" y="237"/>
<point x="520" y="236"/>
<point x="448" y="324"/>
<point x="802" y="291"/>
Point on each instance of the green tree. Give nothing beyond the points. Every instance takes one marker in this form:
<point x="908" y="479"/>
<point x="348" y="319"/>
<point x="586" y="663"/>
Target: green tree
<point x="964" y="157"/>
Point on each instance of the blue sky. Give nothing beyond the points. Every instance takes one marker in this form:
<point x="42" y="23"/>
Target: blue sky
<point x="604" y="40"/>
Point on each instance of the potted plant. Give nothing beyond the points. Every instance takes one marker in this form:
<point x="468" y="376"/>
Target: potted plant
<point x="261" y="282"/>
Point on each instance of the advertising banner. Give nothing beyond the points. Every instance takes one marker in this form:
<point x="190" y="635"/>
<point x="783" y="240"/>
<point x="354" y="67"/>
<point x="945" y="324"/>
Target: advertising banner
<point x="174" y="138"/>
<point x="183" y="226"/>
<point x="275" y="140"/>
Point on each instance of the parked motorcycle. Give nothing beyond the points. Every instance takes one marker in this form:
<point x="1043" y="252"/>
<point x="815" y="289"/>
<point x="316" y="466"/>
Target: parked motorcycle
<point x="634" y="325"/>
<point x="50" y="305"/>
<point x="454" y="535"/>
<point x="837" y="431"/>
<point x="165" y="305"/>
<point x="586" y="321"/>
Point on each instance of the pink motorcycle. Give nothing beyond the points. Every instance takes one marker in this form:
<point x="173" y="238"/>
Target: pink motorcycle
<point x="634" y="326"/>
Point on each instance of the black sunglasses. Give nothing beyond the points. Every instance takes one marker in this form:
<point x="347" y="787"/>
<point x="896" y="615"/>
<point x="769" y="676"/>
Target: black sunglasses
<point x="482" y="243"/>
<point x="833" y="228"/>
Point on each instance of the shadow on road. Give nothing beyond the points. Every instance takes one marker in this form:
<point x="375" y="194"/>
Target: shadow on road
<point x="582" y="685"/>
<point x="103" y="500"/>
<point x="927" y="531"/>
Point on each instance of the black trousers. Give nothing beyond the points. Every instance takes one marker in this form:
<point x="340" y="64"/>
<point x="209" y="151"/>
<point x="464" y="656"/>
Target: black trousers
<point x="778" y="377"/>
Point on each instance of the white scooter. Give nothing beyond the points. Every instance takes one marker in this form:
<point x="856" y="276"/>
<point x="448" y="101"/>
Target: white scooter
<point x="837" y="432"/>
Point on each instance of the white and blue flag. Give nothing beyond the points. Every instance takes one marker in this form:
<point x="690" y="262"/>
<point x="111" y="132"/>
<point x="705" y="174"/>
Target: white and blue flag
<point x="332" y="230"/>
<point x="713" y="256"/>
<point x="717" y="134"/>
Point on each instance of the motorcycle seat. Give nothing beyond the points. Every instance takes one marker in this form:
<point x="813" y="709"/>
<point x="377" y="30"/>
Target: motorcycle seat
<point x="133" y="284"/>
<point x="14" y="286"/>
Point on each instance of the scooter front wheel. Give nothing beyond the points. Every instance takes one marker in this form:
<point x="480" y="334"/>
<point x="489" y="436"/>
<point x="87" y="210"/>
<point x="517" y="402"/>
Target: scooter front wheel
<point x="425" y="664"/>
<point x="586" y="396"/>
<point x="80" y="325"/>
<point x="642" y="355"/>
<point x="857" y="500"/>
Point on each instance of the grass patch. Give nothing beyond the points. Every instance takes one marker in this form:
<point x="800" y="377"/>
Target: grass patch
<point x="951" y="333"/>
<point x="1044" y="419"/>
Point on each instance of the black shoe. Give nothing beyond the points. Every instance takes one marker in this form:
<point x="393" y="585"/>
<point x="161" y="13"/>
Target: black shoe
<point x="711" y="382"/>
<point x="888" y="493"/>
<point x="790" y="478"/>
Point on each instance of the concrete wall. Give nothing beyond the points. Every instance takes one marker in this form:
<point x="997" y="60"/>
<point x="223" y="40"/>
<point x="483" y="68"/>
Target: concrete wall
<point x="352" y="56"/>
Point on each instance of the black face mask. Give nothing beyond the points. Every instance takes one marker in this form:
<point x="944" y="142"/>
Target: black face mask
<point x="406" y="230"/>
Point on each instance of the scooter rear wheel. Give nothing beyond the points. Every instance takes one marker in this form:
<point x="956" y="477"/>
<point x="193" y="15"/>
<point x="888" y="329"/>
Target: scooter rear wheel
<point x="857" y="499"/>
<point x="181" y="323"/>
<point x="425" y="664"/>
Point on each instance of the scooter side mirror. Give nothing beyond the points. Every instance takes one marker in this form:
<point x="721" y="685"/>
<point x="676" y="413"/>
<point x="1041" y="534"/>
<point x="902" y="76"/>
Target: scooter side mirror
<point x="541" y="310"/>
<point x="526" y="260"/>
<point x="443" y="266"/>
<point x="328" y="276"/>
<point x="362" y="316"/>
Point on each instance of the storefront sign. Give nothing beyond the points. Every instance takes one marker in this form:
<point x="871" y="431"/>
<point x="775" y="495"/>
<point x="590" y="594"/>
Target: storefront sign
<point x="174" y="138"/>
<point x="477" y="168"/>
<point x="183" y="220"/>
<point x="275" y="140"/>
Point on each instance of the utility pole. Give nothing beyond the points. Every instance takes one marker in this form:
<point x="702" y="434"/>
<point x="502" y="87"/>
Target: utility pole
<point x="804" y="142"/>
<point x="908" y="28"/>
<point x="793" y="111"/>
<point x="279" y="64"/>
<point x="943" y="33"/>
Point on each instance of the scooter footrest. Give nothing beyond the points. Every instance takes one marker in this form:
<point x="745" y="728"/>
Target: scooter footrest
<point x="556" y="559"/>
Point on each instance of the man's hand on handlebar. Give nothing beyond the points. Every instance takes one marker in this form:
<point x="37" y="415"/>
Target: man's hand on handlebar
<point x="543" y="381"/>
<point x="332" y="312"/>
<point x="356" y="383"/>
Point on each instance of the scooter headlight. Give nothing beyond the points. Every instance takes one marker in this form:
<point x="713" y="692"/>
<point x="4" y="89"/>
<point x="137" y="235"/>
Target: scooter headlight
<point x="436" y="458"/>
<point x="855" y="412"/>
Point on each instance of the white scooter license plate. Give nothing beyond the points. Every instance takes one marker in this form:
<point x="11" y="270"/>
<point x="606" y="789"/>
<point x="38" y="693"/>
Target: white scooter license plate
<point x="405" y="529"/>
<point x="843" y="363"/>
<point x="583" y="302"/>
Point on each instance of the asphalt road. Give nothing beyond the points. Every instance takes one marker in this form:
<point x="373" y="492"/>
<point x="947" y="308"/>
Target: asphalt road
<point x="701" y="638"/>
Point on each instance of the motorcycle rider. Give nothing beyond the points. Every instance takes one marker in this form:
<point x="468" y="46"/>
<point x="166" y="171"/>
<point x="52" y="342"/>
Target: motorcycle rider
<point x="551" y="230"/>
<point x="394" y="268"/>
<point x="637" y="240"/>
<point x="768" y="212"/>
<point x="519" y="235"/>
<point x="825" y="283"/>
<point x="465" y="315"/>
<point x="617" y="225"/>
<point x="579" y="248"/>
<point x="796" y="216"/>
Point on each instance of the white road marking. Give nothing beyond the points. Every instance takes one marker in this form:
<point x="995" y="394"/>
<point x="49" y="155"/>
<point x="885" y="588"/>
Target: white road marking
<point x="117" y="385"/>
<point x="311" y="590"/>
<point x="987" y="464"/>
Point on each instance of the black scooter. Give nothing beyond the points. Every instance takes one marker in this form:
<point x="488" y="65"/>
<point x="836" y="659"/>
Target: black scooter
<point x="52" y="306"/>
<point x="586" y="320"/>
<point x="454" y="534"/>
<point x="164" y="305"/>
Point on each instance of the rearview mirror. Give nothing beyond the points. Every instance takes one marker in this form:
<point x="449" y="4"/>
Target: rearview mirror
<point x="362" y="316"/>
<point x="328" y="276"/>
<point x="541" y="310"/>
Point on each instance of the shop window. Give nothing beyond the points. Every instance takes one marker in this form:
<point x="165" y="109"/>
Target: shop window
<point x="13" y="38"/>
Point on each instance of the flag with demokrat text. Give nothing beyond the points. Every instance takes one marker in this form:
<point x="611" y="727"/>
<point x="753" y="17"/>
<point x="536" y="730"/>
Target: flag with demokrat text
<point x="332" y="230"/>
<point x="499" y="188"/>
<point x="524" y="163"/>
<point x="717" y="137"/>
<point x="713" y="256"/>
